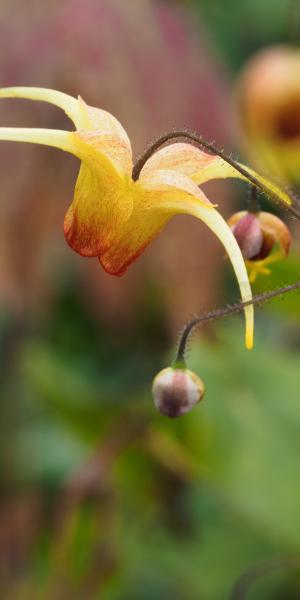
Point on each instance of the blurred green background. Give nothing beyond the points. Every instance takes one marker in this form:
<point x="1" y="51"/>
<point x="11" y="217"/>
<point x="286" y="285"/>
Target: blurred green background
<point x="101" y="497"/>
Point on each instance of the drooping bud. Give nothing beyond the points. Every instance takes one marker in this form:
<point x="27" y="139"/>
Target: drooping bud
<point x="257" y="234"/>
<point x="269" y="109"/>
<point x="248" y="234"/>
<point x="176" y="390"/>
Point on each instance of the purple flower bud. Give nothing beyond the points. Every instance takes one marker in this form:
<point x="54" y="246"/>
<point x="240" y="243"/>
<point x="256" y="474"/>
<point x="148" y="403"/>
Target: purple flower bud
<point x="257" y="234"/>
<point x="176" y="391"/>
<point x="248" y="234"/>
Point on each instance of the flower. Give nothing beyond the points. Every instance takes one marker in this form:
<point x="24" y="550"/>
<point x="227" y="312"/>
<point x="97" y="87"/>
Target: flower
<point x="258" y="234"/>
<point x="93" y="46"/>
<point x="113" y="217"/>
<point x="269" y="108"/>
<point x="176" y="391"/>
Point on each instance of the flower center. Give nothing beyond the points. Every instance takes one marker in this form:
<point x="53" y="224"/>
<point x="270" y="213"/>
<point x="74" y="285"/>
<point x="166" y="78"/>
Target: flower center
<point x="287" y="124"/>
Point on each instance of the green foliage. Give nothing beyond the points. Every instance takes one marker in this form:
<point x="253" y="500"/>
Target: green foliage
<point x="131" y="505"/>
<point x="189" y="504"/>
<point x="238" y="29"/>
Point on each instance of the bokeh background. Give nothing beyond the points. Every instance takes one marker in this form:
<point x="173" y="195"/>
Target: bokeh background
<point x="101" y="497"/>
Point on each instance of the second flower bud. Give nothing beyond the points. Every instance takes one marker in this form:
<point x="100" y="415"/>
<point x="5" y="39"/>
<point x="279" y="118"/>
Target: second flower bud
<point x="263" y="239"/>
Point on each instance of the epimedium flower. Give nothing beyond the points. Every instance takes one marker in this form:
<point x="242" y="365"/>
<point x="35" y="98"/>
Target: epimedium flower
<point x="117" y="209"/>
<point x="263" y="239"/>
<point x="269" y="109"/>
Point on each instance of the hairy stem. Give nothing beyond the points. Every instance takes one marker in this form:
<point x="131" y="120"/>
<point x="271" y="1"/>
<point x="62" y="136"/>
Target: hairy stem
<point x="253" y="203"/>
<point x="270" y="190"/>
<point x="232" y="309"/>
<point x="246" y="580"/>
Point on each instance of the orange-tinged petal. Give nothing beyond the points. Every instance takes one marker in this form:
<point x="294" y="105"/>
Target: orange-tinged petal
<point x="101" y="202"/>
<point x="101" y="207"/>
<point x="113" y="217"/>
<point x="155" y="201"/>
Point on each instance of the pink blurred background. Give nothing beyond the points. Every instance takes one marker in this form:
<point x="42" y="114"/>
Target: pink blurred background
<point x="150" y="65"/>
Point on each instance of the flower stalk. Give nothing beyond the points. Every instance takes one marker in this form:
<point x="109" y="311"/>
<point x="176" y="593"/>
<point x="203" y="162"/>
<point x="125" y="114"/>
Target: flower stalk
<point x="118" y="208"/>
<point x="247" y="579"/>
<point x="236" y="169"/>
<point x="219" y="313"/>
<point x="253" y="202"/>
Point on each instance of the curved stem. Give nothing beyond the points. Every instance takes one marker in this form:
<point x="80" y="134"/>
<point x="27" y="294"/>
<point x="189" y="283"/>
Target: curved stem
<point x="246" y="580"/>
<point x="218" y="313"/>
<point x="269" y="189"/>
<point x="253" y="203"/>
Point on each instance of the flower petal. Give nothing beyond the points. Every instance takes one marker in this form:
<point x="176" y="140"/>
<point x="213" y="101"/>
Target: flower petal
<point x="46" y="137"/>
<point x="101" y="207"/>
<point x="155" y="202"/>
<point x="181" y="157"/>
<point x="275" y="228"/>
<point x="109" y="144"/>
<point x="219" y="169"/>
<point x="67" y="103"/>
<point x="186" y="198"/>
<point x="107" y="134"/>
<point x="171" y="182"/>
<point x="93" y="118"/>
<point x="102" y="199"/>
<point x="201" y="167"/>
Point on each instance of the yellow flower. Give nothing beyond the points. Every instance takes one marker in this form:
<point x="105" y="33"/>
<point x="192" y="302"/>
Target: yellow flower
<point x="114" y="217"/>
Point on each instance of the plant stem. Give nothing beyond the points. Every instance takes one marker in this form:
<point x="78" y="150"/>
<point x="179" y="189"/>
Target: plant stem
<point x="232" y="309"/>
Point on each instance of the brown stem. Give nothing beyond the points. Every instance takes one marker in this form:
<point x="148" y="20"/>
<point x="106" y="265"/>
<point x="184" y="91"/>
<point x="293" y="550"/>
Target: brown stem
<point x="246" y="580"/>
<point x="214" y="150"/>
<point x="253" y="203"/>
<point x="218" y="313"/>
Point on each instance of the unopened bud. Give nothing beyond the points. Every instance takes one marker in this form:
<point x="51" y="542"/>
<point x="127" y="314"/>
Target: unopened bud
<point x="176" y="391"/>
<point x="248" y="234"/>
<point x="258" y="233"/>
<point x="269" y="108"/>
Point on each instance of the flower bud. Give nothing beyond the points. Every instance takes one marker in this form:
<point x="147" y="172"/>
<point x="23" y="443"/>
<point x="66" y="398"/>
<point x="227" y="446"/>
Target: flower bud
<point x="248" y="234"/>
<point x="257" y="234"/>
<point x="176" y="391"/>
<point x="269" y="108"/>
